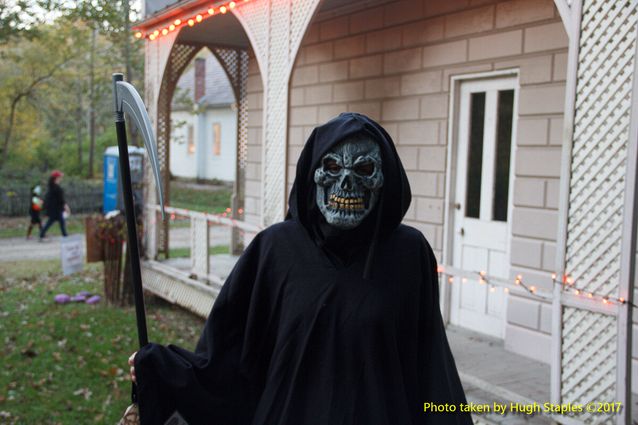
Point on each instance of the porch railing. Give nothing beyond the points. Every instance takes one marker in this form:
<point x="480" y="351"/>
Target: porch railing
<point x="200" y="223"/>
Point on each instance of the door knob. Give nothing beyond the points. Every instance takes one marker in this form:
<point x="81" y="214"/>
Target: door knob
<point x="457" y="205"/>
<point x="462" y="232"/>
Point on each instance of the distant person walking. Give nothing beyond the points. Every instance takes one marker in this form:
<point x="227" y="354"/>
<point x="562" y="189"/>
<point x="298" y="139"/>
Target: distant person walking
<point x="34" y="209"/>
<point x="54" y="204"/>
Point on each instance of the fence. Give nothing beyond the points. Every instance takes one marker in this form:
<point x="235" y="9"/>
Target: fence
<point x="82" y="197"/>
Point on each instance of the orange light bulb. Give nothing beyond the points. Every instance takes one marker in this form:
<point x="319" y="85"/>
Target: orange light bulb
<point x="231" y="4"/>
<point x="211" y="11"/>
<point x="164" y="31"/>
<point x="171" y="27"/>
<point x="199" y="18"/>
<point x="191" y="22"/>
<point x="156" y="33"/>
<point x="222" y="9"/>
<point x="138" y="35"/>
<point x="177" y="22"/>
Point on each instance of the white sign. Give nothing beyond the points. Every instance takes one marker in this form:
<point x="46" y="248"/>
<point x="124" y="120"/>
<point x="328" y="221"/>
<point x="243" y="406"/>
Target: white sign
<point x="72" y="254"/>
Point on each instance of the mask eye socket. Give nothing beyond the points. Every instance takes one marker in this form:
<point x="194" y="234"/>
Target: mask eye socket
<point x="331" y="166"/>
<point x="364" y="169"/>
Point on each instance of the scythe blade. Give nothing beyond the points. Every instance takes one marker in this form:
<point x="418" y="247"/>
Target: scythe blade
<point x="128" y="100"/>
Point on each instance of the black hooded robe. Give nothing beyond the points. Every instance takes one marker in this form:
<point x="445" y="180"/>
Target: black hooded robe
<point x="298" y="336"/>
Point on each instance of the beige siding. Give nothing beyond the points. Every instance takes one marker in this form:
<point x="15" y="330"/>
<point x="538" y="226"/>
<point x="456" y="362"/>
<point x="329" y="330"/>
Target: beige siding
<point x="394" y="63"/>
<point x="252" y="201"/>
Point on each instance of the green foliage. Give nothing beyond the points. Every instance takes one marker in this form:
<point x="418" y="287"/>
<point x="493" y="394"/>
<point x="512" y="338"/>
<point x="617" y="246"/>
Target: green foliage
<point x="52" y="75"/>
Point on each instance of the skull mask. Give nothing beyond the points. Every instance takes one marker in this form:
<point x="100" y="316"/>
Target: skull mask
<point x="348" y="180"/>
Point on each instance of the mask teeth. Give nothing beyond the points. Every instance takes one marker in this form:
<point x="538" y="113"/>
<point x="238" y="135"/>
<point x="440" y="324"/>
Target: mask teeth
<point x="347" y="205"/>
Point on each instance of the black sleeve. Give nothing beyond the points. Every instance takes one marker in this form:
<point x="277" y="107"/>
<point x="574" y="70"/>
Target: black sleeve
<point x="213" y="384"/>
<point x="439" y="378"/>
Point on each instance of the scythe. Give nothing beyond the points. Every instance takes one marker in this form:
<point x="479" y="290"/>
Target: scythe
<point x="128" y="100"/>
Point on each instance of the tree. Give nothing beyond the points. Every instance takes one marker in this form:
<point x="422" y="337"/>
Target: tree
<point x="27" y="65"/>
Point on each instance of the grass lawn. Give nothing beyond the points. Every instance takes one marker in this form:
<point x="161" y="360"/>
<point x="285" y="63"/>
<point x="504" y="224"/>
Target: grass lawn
<point x="67" y="364"/>
<point x="209" y="201"/>
<point x="186" y="252"/>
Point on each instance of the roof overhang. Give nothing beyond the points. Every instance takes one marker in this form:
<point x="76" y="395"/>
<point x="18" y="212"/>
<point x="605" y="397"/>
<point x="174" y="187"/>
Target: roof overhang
<point x="198" y="22"/>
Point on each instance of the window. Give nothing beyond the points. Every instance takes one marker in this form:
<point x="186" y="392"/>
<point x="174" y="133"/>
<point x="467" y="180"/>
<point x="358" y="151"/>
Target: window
<point x="217" y="139"/>
<point x="475" y="155"/>
<point x="503" y="148"/>
<point x="191" y="140"/>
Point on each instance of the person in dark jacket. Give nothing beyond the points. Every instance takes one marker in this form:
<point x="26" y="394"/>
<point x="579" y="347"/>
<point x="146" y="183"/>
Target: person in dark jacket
<point x="55" y="205"/>
<point x="330" y="317"/>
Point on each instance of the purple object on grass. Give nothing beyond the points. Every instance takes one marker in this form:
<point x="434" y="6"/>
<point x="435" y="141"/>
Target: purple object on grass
<point x="62" y="298"/>
<point x="94" y="299"/>
<point x="78" y="298"/>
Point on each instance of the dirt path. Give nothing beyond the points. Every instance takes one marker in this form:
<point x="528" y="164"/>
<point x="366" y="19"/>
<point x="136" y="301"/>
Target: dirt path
<point x="13" y="249"/>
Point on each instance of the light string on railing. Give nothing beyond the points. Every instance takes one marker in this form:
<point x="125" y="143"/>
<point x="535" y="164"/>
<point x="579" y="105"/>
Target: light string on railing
<point x="567" y="285"/>
<point x="189" y="20"/>
<point x="567" y="282"/>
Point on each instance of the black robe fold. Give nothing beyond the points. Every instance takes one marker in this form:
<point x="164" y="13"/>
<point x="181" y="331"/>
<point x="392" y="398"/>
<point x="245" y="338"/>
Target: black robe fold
<point x="297" y="335"/>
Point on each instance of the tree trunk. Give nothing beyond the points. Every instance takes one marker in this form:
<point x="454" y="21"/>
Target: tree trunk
<point x="92" y="103"/>
<point x="79" y="128"/>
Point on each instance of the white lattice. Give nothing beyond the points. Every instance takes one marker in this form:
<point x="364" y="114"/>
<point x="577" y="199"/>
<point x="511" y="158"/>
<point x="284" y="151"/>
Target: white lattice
<point x="596" y="199"/>
<point x="276" y="28"/>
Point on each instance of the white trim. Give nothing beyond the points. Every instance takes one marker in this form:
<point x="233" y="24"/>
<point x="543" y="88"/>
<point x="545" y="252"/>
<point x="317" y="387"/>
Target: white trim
<point x="628" y="261"/>
<point x="567" y="16"/>
<point x="563" y="207"/>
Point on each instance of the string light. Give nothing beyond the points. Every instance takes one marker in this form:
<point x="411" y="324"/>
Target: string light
<point x="567" y="282"/>
<point x="192" y="21"/>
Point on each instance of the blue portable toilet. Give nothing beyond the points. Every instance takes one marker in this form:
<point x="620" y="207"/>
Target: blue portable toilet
<point x="112" y="198"/>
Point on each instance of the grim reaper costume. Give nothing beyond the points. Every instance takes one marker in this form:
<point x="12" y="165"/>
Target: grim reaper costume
<point x="330" y="317"/>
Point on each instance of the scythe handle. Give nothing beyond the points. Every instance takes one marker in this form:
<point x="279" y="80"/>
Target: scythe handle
<point x="131" y="225"/>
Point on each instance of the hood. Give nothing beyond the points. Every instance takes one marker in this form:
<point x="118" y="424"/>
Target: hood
<point x="394" y="197"/>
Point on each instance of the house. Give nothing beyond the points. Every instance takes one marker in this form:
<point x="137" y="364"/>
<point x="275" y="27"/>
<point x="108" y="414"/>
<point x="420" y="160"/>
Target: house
<point x="203" y="122"/>
<point x="515" y="120"/>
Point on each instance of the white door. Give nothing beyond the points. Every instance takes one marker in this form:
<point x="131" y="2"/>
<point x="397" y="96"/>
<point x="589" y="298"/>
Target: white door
<point x="482" y="201"/>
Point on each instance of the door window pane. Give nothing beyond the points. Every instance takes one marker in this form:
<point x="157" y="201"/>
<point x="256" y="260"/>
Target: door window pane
<point x="503" y="147"/>
<point x="475" y="155"/>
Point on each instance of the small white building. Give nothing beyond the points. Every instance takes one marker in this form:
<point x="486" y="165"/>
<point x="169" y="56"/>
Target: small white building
<point x="204" y="122"/>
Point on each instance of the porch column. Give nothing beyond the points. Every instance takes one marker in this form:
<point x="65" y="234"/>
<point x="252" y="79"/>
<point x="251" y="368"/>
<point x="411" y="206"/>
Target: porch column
<point x="595" y="254"/>
<point x="156" y="58"/>
<point x="275" y="29"/>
